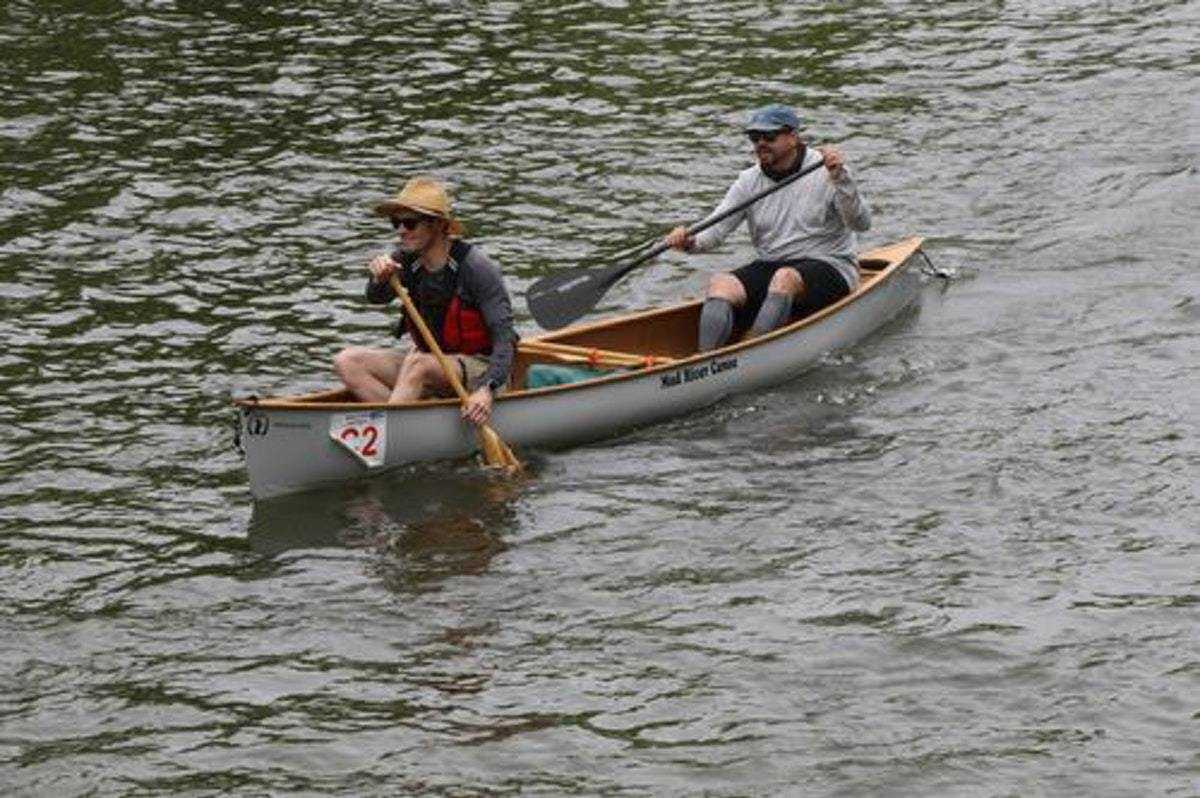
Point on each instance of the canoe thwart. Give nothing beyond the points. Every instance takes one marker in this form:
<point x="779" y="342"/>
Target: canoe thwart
<point x="569" y="353"/>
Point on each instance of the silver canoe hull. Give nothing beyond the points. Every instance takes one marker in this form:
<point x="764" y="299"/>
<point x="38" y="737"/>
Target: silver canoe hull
<point x="289" y="446"/>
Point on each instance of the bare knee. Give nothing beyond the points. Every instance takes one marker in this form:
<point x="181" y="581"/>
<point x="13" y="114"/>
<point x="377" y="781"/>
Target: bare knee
<point x="727" y="287"/>
<point x="786" y="281"/>
<point x="348" y="361"/>
<point x="420" y="376"/>
<point x="421" y="367"/>
<point x="420" y="362"/>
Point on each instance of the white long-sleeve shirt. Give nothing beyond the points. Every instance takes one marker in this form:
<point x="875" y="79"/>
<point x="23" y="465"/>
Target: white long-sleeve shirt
<point x="814" y="217"/>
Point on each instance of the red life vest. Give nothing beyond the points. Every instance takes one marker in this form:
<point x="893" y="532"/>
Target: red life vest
<point x="464" y="331"/>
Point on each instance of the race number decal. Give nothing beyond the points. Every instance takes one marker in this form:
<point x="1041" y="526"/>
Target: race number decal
<point x="363" y="433"/>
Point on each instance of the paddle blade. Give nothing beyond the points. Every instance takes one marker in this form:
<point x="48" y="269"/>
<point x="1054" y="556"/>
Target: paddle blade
<point x="496" y="452"/>
<point x="560" y="298"/>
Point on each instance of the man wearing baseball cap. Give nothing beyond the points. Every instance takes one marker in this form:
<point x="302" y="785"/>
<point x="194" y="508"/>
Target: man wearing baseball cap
<point x="803" y="234"/>
<point x="460" y="294"/>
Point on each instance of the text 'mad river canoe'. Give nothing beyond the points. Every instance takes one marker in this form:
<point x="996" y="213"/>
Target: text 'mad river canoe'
<point x="294" y="443"/>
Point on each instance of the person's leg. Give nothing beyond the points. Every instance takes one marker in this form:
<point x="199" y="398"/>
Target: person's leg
<point x="823" y="285"/>
<point x="725" y="292"/>
<point x="785" y="287"/>
<point x="744" y="290"/>
<point x="369" y="374"/>
<point x="421" y="375"/>
<point x="472" y="369"/>
<point x="716" y="314"/>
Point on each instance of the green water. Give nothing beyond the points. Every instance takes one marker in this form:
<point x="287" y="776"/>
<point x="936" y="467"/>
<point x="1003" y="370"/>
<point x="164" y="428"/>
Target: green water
<point x="959" y="560"/>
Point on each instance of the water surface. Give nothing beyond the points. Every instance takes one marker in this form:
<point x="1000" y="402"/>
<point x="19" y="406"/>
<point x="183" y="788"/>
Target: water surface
<point x="959" y="559"/>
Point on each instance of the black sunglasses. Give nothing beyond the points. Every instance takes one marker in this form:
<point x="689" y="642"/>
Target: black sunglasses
<point x="764" y="135"/>
<point x="409" y="222"/>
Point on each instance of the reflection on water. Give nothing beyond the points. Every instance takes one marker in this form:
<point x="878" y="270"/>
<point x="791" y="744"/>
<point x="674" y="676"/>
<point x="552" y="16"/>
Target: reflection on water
<point x="425" y="524"/>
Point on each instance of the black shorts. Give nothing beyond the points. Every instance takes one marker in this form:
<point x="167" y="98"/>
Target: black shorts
<point x="823" y="285"/>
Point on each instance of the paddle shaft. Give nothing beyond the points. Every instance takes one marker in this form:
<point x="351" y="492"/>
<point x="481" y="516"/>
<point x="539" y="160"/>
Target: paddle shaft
<point x="559" y="298"/>
<point x="414" y="315"/>
<point x="495" y="451"/>
<point x="720" y="217"/>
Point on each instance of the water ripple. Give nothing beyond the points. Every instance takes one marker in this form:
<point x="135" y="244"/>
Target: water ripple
<point x="946" y="562"/>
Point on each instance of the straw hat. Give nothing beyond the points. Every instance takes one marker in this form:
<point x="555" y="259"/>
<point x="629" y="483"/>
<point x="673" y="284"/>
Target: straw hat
<point x="422" y="195"/>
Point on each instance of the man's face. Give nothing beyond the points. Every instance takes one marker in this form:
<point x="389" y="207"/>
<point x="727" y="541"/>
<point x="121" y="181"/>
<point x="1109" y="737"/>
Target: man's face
<point x="774" y="148"/>
<point x="414" y="230"/>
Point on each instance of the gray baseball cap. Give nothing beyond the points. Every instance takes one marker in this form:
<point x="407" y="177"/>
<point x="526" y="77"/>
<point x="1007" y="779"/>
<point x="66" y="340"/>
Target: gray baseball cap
<point x="773" y="117"/>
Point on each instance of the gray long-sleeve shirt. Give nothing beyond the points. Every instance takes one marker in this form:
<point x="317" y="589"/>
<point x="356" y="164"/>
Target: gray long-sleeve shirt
<point x="480" y="284"/>
<point x="814" y="217"/>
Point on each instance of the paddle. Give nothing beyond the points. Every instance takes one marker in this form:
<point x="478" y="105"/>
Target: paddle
<point x="560" y="298"/>
<point x="495" y="450"/>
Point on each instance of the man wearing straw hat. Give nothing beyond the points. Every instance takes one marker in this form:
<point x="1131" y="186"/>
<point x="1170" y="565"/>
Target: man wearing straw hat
<point x="460" y="294"/>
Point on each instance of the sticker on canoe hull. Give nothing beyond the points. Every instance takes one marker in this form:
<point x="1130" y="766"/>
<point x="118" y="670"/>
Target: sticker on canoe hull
<point x="363" y="433"/>
<point x="701" y="372"/>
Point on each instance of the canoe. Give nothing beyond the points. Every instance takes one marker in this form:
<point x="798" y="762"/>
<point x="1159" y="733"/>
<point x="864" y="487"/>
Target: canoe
<point x="295" y="443"/>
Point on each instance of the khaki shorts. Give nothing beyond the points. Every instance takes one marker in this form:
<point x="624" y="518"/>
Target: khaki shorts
<point x="472" y="369"/>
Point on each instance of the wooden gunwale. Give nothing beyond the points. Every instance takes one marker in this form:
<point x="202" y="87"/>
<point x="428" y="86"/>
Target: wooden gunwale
<point x="904" y="251"/>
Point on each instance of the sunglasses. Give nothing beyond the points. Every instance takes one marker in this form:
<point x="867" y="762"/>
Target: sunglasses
<point x="764" y="135"/>
<point x="408" y="222"/>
